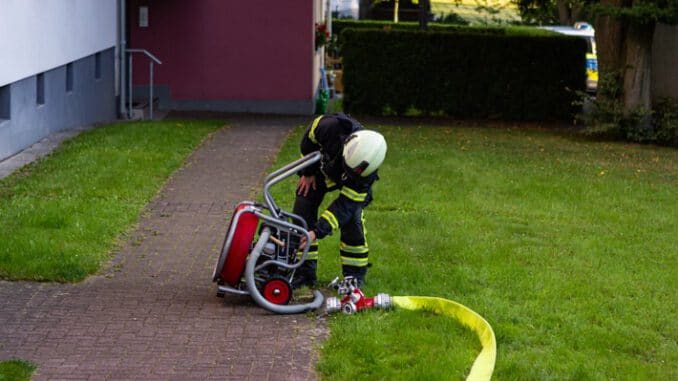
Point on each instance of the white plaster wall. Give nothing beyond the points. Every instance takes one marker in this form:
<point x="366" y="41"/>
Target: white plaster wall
<point x="39" y="35"/>
<point x="318" y="17"/>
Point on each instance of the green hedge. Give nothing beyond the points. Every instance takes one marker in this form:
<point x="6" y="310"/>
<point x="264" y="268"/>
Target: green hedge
<point x="462" y="75"/>
<point x="339" y="25"/>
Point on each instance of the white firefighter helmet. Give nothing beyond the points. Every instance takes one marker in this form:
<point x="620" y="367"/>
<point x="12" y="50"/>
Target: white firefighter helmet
<point x="364" y="151"/>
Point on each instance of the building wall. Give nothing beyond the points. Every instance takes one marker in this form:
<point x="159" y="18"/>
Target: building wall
<point x="40" y="39"/>
<point x="665" y="62"/>
<point x="38" y="35"/>
<point x="254" y="56"/>
<point x="90" y="100"/>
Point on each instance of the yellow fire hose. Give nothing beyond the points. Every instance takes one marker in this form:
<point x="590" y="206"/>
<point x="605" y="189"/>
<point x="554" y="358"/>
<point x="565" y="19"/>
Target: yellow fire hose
<point x="483" y="366"/>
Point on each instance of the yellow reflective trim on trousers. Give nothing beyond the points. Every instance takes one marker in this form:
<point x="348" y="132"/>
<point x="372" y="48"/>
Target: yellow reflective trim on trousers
<point x="362" y="221"/>
<point x="312" y="254"/>
<point x="311" y="132"/>
<point x="361" y="249"/>
<point x="357" y="262"/>
<point x="329" y="216"/>
<point x="483" y="366"/>
<point x="353" y="195"/>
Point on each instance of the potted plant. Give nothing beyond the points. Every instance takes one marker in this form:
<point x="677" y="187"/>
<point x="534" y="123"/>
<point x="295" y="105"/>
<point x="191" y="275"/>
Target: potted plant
<point x="322" y="35"/>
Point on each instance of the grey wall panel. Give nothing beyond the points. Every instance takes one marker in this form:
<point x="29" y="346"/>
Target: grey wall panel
<point x="294" y="107"/>
<point x="91" y="101"/>
<point x="165" y="102"/>
<point x="665" y="62"/>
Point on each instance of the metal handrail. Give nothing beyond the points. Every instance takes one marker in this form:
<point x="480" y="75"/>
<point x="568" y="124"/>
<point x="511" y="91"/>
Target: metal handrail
<point x="153" y="59"/>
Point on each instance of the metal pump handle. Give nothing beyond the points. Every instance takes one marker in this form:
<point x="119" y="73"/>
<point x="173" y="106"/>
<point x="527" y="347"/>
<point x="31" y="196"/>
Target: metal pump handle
<point x="283" y="173"/>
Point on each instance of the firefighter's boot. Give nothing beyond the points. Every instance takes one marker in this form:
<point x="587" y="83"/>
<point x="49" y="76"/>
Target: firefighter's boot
<point x="358" y="273"/>
<point x="306" y="274"/>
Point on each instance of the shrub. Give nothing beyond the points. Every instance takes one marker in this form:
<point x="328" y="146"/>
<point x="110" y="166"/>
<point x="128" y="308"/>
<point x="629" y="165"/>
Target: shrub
<point x="452" y="18"/>
<point x="666" y="121"/>
<point x="604" y="116"/>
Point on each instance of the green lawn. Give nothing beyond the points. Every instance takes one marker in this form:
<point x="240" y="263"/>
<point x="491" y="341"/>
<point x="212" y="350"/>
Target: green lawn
<point x="61" y="216"/>
<point x="568" y="247"/>
<point x="16" y="370"/>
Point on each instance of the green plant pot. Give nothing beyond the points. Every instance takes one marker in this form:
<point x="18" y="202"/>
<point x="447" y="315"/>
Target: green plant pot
<point x="321" y="102"/>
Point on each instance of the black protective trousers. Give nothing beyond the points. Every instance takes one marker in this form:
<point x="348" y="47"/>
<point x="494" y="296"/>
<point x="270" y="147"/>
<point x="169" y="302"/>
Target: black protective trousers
<point x="353" y="247"/>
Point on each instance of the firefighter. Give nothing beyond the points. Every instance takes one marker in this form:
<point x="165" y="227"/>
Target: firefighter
<point x="349" y="162"/>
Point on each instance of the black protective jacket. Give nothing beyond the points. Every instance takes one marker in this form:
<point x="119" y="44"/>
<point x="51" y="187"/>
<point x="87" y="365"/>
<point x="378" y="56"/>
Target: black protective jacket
<point x="327" y="135"/>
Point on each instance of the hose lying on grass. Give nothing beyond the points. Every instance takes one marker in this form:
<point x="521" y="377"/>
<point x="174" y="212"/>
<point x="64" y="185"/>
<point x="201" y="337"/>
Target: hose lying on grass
<point x="483" y="366"/>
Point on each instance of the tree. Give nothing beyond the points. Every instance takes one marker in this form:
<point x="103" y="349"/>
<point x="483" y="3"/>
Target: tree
<point x="364" y="8"/>
<point x="424" y="13"/>
<point x="549" y="12"/>
<point x="624" y="34"/>
<point x="570" y="12"/>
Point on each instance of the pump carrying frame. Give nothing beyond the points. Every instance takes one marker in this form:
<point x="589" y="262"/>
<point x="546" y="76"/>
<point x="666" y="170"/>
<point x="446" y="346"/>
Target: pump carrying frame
<point x="261" y="254"/>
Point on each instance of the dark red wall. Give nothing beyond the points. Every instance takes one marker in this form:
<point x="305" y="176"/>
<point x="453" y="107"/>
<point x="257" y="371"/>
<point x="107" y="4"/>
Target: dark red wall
<point x="226" y="49"/>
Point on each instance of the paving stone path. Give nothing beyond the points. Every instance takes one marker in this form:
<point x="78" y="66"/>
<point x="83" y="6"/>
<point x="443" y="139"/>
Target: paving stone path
<point x="153" y="313"/>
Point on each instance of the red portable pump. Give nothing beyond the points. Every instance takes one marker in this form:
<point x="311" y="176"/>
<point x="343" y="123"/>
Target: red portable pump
<point x="261" y="254"/>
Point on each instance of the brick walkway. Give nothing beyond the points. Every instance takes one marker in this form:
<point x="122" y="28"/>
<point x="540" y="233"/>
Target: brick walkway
<point x="153" y="313"/>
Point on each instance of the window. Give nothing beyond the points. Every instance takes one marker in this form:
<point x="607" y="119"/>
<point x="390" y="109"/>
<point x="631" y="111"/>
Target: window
<point x="40" y="89"/>
<point x="69" y="77"/>
<point x="97" y="66"/>
<point x="5" y="103"/>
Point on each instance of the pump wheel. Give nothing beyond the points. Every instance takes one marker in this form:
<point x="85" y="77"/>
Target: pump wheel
<point x="277" y="291"/>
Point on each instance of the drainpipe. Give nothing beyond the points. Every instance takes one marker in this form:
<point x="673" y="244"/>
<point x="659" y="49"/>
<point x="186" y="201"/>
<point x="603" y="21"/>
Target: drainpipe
<point x="122" y="48"/>
<point x="329" y="17"/>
